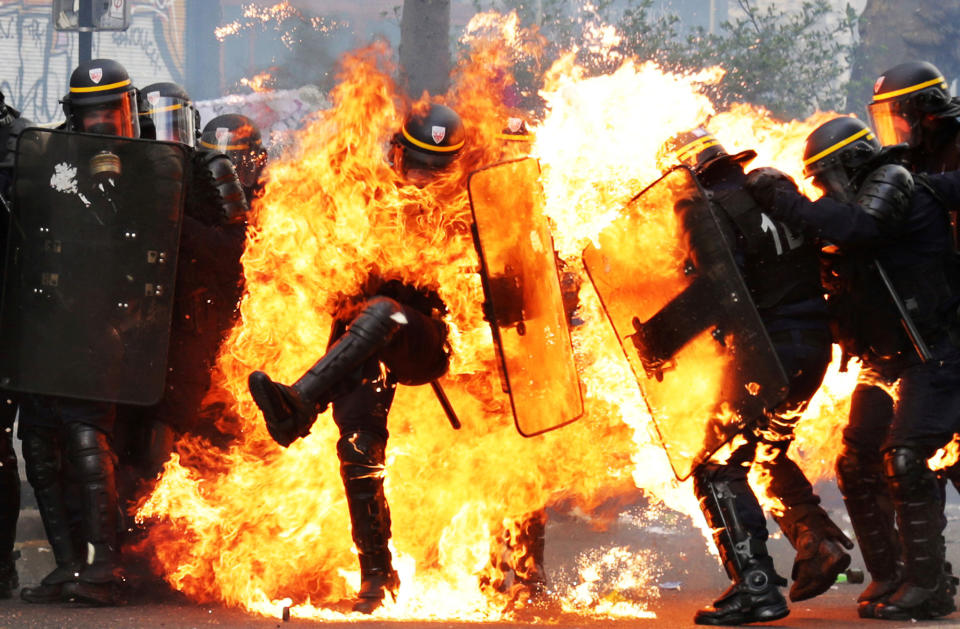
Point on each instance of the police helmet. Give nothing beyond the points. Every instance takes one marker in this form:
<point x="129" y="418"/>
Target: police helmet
<point x="102" y="100"/>
<point x="430" y="138"/>
<point x="167" y="113"/>
<point x="238" y="137"/>
<point x="906" y="94"/>
<point x="836" y="152"/>
<point x="699" y="149"/>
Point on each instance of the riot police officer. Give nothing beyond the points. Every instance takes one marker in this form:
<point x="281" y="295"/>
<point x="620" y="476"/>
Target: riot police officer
<point x="895" y="309"/>
<point x="167" y="114"/>
<point x="392" y="333"/>
<point x="11" y="124"/>
<point x="911" y="104"/>
<point x="208" y="282"/>
<point x="782" y="272"/>
<point x="239" y="138"/>
<point x="58" y="431"/>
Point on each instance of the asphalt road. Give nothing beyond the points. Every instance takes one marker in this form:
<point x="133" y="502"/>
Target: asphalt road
<point x="689" y="577"/>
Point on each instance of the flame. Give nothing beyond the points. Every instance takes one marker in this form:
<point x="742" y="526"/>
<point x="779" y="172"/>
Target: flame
<point x="259" y="82"/>
<point x="256" y="526"/>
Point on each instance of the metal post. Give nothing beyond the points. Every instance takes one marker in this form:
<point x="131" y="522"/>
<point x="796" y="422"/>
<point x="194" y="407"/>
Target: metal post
<point x="85" y="31"/>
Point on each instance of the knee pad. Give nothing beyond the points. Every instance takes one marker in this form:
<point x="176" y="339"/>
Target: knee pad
<point x="90" y="452"/>
<point x="362" y="456"/>
<point x="908" y="475"/>
<point x="903" y="463"/>
<point x="362" y="448"/>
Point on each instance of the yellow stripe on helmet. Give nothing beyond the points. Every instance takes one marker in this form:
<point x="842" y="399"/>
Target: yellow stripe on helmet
<point x="229" y="147"/>
<point x="693" y="148"/>
<point x="912" y="88"/>
<point x="515" y="137"/>
<point x="99" y="88"/>
<point x="160" y="109"/>
<point x="430" y="147"/>
<point x="839" y="145"/>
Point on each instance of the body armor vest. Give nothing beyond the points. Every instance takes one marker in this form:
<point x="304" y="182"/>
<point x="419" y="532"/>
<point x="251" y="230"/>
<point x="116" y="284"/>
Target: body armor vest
<point x="868" y="320"/>
<point x="780" y="267"/>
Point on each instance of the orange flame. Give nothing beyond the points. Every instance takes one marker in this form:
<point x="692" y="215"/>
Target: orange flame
<point x="261" y="527"/>
<point x="259" y="82"/>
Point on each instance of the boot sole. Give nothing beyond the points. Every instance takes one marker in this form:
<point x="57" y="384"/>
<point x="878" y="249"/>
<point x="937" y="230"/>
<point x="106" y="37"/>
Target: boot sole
<point x="765" y="614"/>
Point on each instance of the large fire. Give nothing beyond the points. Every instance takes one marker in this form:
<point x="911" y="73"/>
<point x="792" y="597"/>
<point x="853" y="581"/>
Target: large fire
<point x="262" y="527"/>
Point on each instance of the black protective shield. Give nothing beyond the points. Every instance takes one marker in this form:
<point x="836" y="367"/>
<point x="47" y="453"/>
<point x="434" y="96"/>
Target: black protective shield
<point x="523" y="300"/>
<point x="90" y="267"/>
<point x="685" y="319"/>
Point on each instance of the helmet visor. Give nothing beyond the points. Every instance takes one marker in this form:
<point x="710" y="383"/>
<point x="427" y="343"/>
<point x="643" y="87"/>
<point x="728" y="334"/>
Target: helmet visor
<point x="118" y="116"/>
<point x="834" y="183"/>
<point x="173" y="119"/>
<point x="891" y="125"/>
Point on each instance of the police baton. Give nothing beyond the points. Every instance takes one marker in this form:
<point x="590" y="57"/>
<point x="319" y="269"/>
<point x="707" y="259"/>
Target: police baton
<point x="912" y="332"/>
<point x="445" y="403"/>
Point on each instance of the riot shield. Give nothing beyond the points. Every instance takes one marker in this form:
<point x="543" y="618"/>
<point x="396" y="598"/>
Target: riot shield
<point x="90" y="266"/>
<point x="685" y="319"/>
<point x="523" y="300"/>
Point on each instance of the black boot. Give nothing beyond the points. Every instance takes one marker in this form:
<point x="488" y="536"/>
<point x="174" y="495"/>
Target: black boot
<point x="754" y="595"/>
<point x="100" y="580"/>
<point x="529" y="550"/>
<point x="926" y="591"/>
<point x="42" y="457"/>
<point x="867" y="498"/>
<point x="290" y="411"/>
<point x="9" y="580"/>
<point x="820" y="550"/>
<point x="9" y="500"/>
<point x="362" y="456"/>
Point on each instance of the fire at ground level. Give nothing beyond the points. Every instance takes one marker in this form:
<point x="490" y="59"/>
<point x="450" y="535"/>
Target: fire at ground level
<point x="689" y="577"/>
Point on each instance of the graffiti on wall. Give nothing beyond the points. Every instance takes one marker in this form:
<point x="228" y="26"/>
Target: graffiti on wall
<point x="38" y="60"/>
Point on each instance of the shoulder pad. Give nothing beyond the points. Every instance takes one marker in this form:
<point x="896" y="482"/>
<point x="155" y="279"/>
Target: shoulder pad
<point x="886" y="193"/>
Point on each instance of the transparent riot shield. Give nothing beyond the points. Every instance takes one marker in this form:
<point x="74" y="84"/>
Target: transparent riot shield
<point x="90" y="266"/>
<point x="688" y="326"/>
<point x="523" y="299"/>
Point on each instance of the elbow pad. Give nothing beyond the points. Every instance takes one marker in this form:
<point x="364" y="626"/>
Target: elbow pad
<point x="885" y="195"/>
<point x="217" y="189"/>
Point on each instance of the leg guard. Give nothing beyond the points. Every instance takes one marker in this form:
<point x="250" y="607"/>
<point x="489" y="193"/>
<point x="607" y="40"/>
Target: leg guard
<point x="362" y="456"/>
<point x="94" y="463"/>
<point x="42" y="458"/>
<point x="868" y="502"/>
<point x="290" y="411"/>
<point x="926" y="591"/>
<point x="754" y="595"/>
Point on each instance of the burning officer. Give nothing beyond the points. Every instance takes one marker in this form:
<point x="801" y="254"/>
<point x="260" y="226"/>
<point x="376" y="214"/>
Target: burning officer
<point x="894" y="308"/>
<point x="238" y="138"/>
<point x="392" y="333"/>
<point x="781" y="270"/>
<point x="86" y="313"/>
<point x="11" y="124"/>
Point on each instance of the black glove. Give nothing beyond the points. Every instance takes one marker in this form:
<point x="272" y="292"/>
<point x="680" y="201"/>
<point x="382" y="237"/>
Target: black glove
<point x="764" y="184"/>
